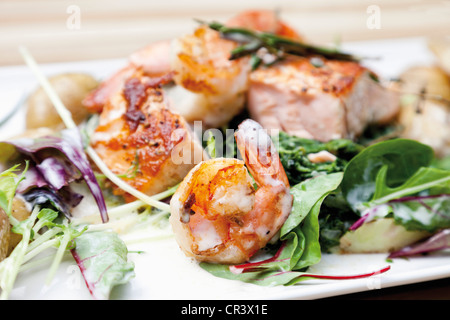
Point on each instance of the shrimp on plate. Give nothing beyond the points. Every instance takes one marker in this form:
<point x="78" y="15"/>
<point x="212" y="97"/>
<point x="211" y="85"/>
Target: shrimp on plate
<point x="209" y="87"/>
<point x="216" y="213"/>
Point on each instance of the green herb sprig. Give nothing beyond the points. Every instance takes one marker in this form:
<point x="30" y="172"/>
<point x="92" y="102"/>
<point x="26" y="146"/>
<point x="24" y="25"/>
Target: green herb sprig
<point x="252" y="42"/>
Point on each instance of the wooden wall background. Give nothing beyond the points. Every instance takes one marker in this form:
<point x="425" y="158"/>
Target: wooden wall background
<point x="113" y="29"/>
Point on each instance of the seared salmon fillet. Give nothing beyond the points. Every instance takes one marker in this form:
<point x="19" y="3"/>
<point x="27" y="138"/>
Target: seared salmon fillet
<point x="152" y="59"/>
<point x="141" y="139"/>
<point x="323" y="100"/>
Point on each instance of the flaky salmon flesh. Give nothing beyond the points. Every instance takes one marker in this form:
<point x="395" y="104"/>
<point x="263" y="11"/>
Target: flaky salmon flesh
<point x="319" y="99"/>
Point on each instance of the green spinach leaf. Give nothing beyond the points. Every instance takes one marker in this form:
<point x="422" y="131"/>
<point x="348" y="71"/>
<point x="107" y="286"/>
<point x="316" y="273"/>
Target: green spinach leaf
<point x="294" y="152"/>
<point x="401" y="158"/>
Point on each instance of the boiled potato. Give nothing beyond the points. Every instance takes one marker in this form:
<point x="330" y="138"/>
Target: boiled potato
<point x="431" y="80"/>
<point x="20" y="211"/>
<point x="379" y="236"/>
<point x="72" y="88"/>
<point x="425" y="109"/>
<point x="9" y="239"/>
<point x="441" y="49"/>
<point x="4" y="235"/>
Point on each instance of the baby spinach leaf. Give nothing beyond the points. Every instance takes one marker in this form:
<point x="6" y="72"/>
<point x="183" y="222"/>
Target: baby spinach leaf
<point x="422" y="179"/>
<point x="421" y="203"/>
<point x="401" y="158"/>
<point x="306" y="194"/>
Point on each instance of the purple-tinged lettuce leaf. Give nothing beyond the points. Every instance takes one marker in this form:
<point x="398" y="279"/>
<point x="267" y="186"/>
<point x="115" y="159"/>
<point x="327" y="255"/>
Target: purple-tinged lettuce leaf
<point x="70" y="144"/>
<point x="102" y="259"/>
<point x="58" y="172"/>
<point x="32" y="179"/>
<point x="420" y="212"/>
<point x="62" y="200"/>
<point x="438" y="241"/>
<point x="54" y="172"/>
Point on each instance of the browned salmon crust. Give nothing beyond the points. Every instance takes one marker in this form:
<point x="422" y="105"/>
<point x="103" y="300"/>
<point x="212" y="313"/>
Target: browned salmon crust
<point x="141" y="139"/>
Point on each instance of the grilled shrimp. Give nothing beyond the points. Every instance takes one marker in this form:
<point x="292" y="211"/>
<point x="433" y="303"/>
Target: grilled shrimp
<point x="216" y="213"/>
<point x="209" y="86"/>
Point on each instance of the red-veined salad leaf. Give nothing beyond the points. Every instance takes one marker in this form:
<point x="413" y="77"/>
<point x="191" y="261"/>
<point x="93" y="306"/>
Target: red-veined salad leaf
<point x="59" y="159"/>
<point x="420" y="212"/>
<point x="102" y="259"/>
<point x="285" y="277"/>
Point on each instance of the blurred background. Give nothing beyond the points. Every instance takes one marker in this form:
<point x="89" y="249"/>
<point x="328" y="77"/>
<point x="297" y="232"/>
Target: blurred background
<point x="60" y="30"/>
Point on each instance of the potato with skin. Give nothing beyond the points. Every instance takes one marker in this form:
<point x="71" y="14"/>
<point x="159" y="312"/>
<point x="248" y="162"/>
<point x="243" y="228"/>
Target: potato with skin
<point x="425" y="109"/>
<point x="20" y="211"/>
<point x="379" y="236"/>
<point x="430" y="80"/>
<point x="9" y="239"/>
<point x="72" y="88"/>
<point x="5" y="230"/>
<point x="440" y="46"/>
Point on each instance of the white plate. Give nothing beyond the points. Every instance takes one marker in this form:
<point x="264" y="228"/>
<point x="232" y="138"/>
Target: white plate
<point x="163" y="272"/>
